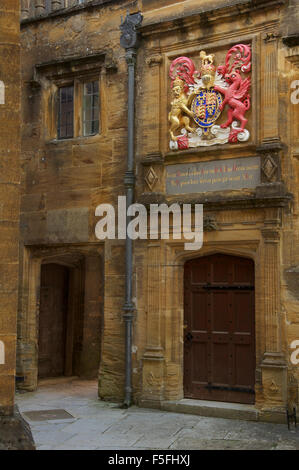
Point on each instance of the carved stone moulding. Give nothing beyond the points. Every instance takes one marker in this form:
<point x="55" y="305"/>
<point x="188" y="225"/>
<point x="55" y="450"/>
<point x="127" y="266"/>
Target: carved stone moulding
<point x="271" y="235"/>
<point x="269" y="36"/>
<point x="152" y="158"/>
<point x="154" y="60"/>
<point x="151" y="178"/>
<point x="271" y="181"/>
<point x="270" y="168"/>
<point x="209" y="223"/>
<point x="71" y="66"/>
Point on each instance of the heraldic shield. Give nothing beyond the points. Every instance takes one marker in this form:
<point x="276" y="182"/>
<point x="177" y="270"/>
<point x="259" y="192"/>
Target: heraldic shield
<point x="206" y="107"/>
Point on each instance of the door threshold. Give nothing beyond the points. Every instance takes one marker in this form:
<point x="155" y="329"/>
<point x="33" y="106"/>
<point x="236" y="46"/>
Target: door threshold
<point x="215" y="409"/>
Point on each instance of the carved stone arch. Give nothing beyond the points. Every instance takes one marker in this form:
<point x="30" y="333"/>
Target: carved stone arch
<point x="66" y="258"/>
<point x="184" y="256"/>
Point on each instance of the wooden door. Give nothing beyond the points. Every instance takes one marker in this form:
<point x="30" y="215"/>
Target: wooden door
<point x="219" y="343"/>
<point x="52" y="320"/>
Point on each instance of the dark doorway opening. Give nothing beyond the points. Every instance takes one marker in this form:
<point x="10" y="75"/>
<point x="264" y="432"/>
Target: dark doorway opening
<point x="53" y="320"/>
<point x="219" y="342"/>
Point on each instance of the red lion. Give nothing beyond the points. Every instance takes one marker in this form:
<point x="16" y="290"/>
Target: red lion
<point x="237" y="94"/>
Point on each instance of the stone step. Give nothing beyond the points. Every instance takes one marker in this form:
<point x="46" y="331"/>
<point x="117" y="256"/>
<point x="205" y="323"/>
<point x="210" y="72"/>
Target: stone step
<point x="212" y="409"/>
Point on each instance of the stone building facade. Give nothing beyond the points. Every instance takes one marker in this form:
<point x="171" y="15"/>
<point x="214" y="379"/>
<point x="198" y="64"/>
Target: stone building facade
<point x="213" y="324"/>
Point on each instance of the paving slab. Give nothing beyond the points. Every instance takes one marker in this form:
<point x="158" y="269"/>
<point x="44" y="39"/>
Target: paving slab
<point x="99" y="425"/>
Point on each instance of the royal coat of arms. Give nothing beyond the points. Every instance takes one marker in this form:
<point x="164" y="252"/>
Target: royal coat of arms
<point x="200" y="96"/>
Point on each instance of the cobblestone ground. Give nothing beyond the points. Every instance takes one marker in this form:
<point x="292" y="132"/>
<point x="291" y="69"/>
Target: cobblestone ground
<point x="98" y="425"/>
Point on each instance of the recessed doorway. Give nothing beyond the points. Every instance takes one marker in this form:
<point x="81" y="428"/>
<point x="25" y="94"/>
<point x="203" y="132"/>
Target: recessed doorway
<point x="53" y="319"/>
<point x="219" y="334"/>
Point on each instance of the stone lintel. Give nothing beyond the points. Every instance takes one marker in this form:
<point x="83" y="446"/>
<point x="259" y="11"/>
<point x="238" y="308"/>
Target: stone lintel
<point x="220" y="202"/>
<point x="73" y="65"/>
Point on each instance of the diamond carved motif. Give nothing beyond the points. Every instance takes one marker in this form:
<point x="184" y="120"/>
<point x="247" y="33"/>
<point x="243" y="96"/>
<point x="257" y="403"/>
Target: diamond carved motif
<point x="269" y="167"/>
<point x="151" y="178"/>
<point x="273" y="387"/>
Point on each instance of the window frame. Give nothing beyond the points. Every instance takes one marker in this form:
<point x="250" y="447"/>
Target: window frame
<point x="83" y="110"/>
<point x="52" y="75"/>
<point x="77" y="83"/>
<point x="59" y="137"/>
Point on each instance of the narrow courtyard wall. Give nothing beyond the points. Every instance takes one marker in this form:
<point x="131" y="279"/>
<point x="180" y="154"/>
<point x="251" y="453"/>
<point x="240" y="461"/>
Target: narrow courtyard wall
<point x="14" y="433"/>
<point x="10" y="195"/>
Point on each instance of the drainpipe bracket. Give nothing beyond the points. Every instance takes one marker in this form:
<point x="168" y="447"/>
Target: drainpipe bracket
<point x="129" y="311"/>
<point x="129" y="179"/>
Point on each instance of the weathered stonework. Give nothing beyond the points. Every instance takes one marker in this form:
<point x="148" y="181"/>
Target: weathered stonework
<point x="68" y="177"/>
<point x="14" y="433"/>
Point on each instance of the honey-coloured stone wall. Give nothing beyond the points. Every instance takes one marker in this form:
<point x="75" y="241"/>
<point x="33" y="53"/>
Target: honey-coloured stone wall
<point x="65" y="178"/>
<point x="9" y="196"/>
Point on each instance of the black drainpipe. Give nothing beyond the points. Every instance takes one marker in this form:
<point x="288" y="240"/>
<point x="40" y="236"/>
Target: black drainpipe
<point x="129" y="41"/>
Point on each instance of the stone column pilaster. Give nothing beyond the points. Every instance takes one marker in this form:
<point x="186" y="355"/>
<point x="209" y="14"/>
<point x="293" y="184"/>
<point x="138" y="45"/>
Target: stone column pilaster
<point x="152" y="116"/>
<point x="270" y="96"/>
<point x="272" y="291"/>
<point x="90" y="355"/>
<point x="153" y="358"/>
<point x="274" y="369"/>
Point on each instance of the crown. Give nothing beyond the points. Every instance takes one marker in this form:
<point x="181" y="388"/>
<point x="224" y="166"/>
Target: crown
<point x="178" y="82"/>
<point x="207" y="66"/>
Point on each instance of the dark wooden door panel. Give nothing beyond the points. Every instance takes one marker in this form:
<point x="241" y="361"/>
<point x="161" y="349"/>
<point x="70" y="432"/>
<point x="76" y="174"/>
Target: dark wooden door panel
<point x="219" y="357"/>
<point x="52" y="320"/>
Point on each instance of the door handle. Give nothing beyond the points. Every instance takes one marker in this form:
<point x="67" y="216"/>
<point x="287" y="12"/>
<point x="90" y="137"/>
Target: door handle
<point x="189" y="337"/>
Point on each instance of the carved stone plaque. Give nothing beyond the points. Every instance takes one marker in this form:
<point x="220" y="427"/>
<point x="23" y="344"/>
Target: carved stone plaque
<point x="216" y="175"/>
